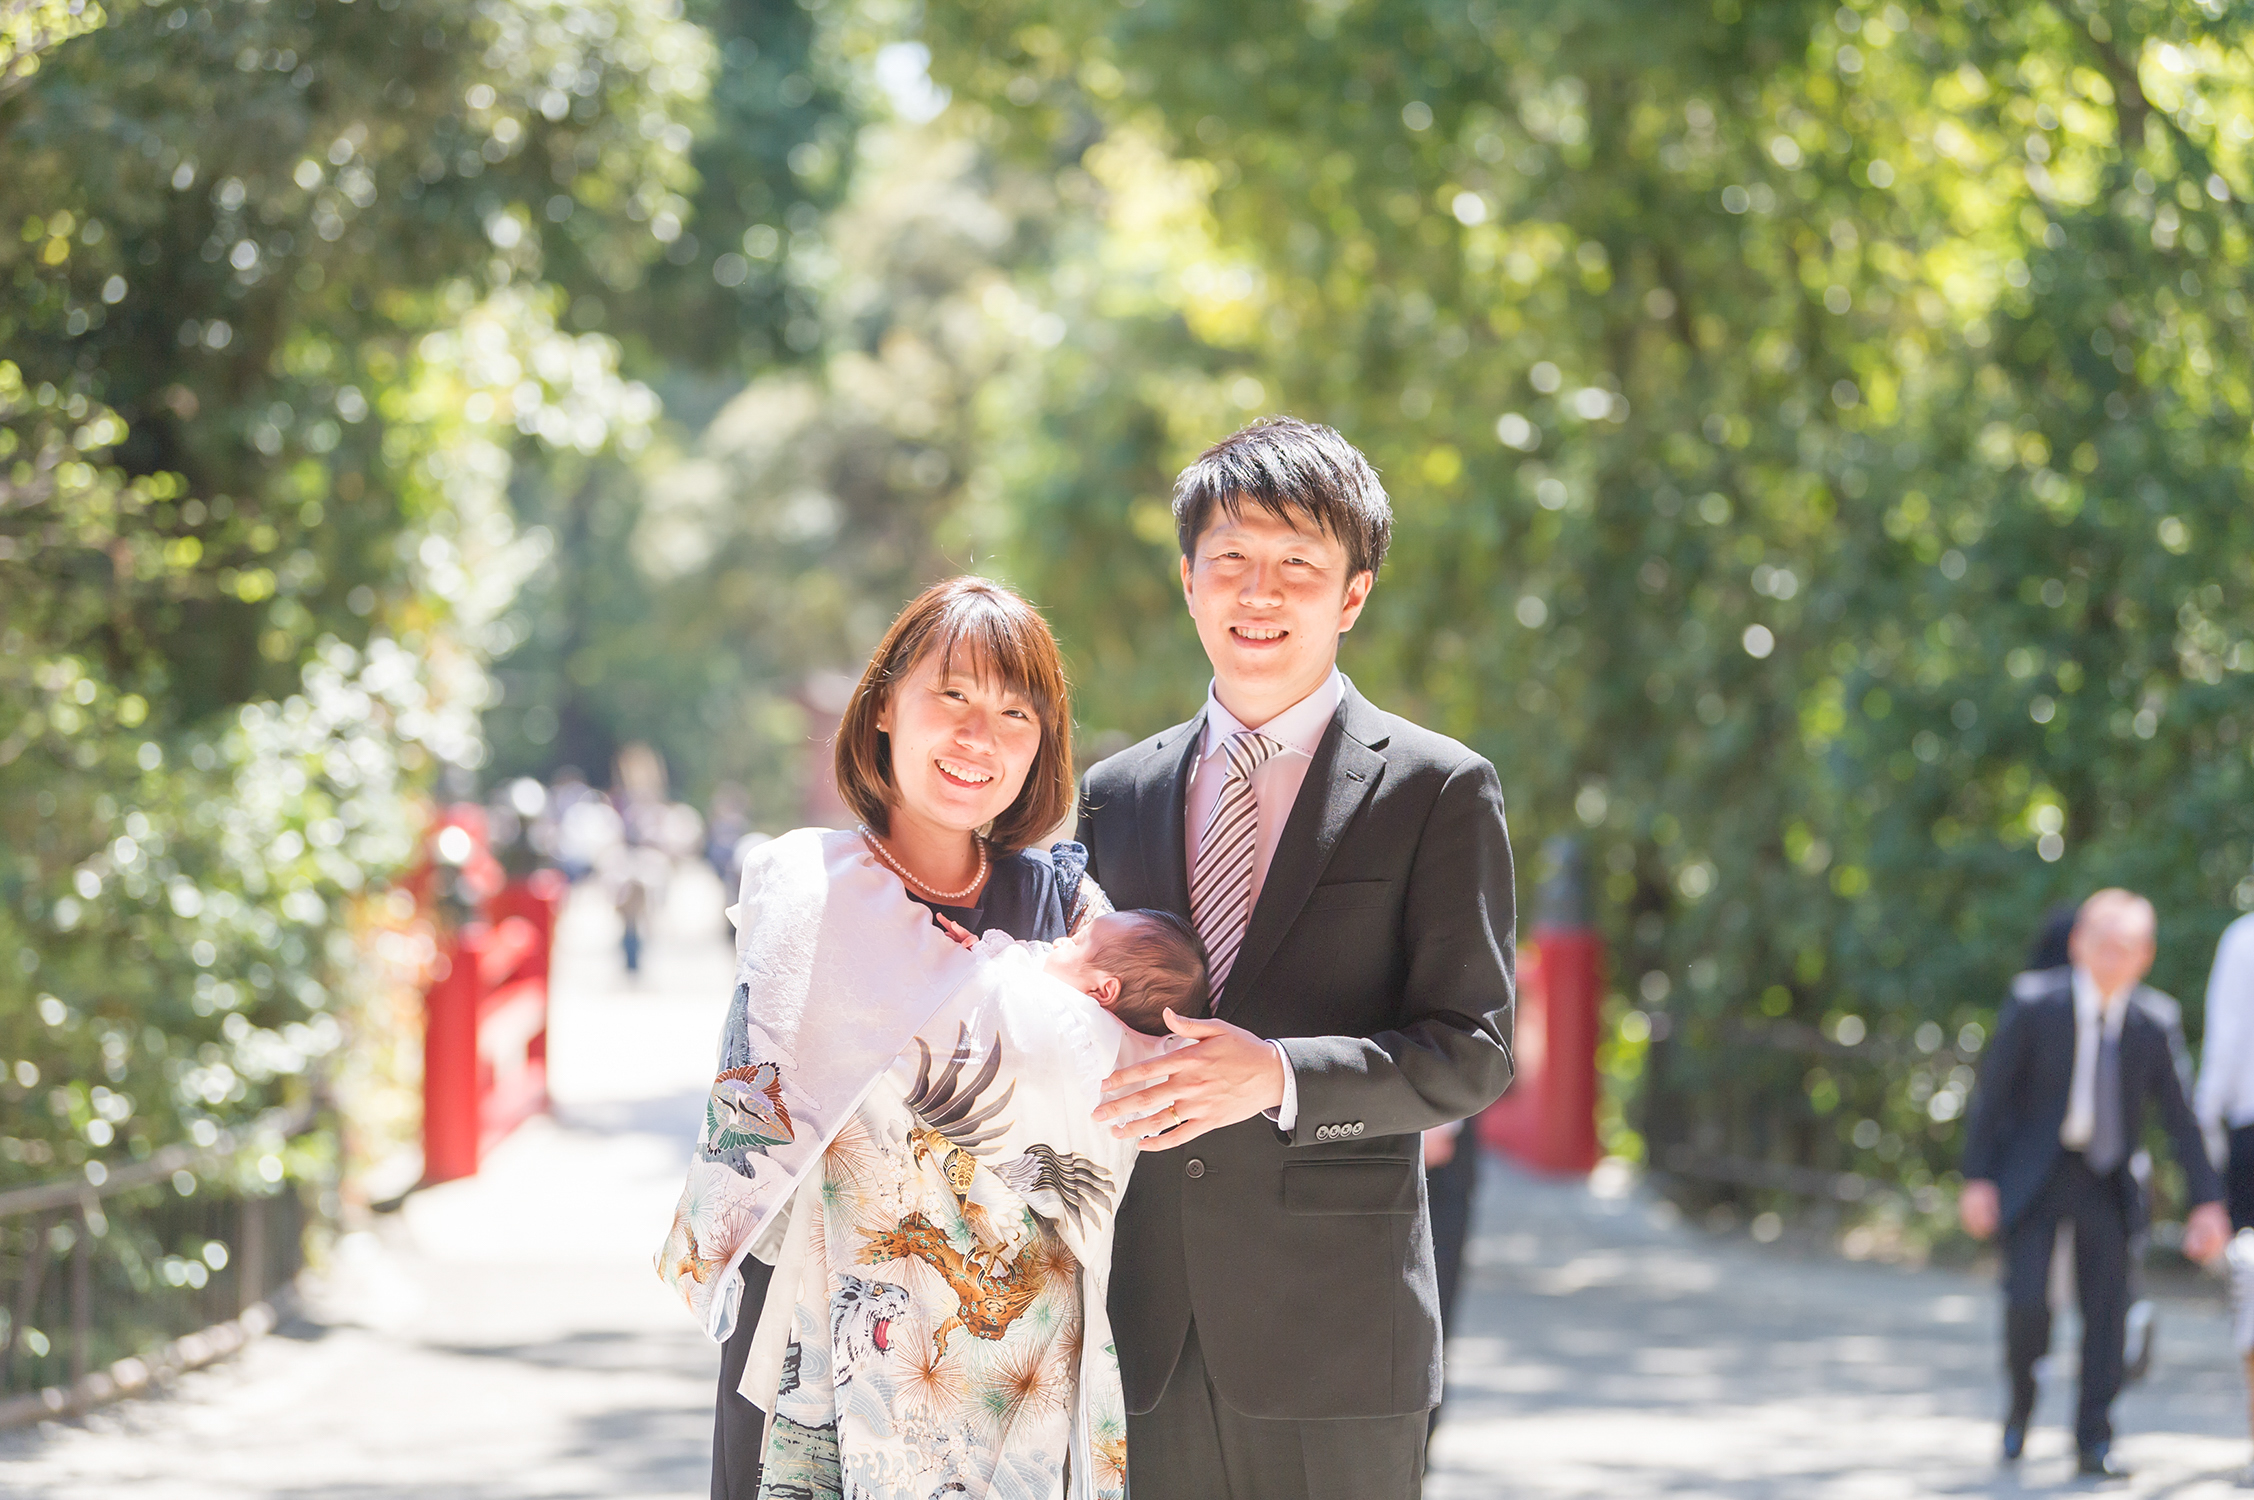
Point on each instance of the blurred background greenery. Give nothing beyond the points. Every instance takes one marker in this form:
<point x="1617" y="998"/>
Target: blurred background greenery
<point x="1818" y="435"/>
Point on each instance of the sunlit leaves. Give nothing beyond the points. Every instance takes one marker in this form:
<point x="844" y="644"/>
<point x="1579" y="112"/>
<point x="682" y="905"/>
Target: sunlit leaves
<point x="1937" y="312"/>
<point x="283" y="294"/>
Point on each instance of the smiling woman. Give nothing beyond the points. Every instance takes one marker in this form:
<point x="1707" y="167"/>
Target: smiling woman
<point x="961" y="720"/>
<point x="955" y="754"/>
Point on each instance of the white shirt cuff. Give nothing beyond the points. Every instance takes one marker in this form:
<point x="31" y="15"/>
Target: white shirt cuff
<point x="1286" y="1114"/>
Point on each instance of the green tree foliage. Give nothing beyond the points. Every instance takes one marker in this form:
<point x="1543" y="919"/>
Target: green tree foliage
<point x="1818" y="435"/>
<point x="280" y="288"/>
<point x="702" y="598"/>
<point x="609" y="651"/>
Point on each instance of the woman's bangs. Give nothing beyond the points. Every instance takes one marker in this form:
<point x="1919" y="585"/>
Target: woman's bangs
<point x="991" y="647"/>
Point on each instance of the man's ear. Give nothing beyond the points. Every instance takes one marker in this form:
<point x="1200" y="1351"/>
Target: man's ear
<point x="1185" y="579"/>
<point x="1357" y="594"/>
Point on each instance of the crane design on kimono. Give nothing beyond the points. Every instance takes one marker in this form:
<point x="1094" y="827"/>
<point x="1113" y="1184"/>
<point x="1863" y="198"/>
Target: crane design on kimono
<point x="745" y="1108"/>
<point x="955" y="1129"/>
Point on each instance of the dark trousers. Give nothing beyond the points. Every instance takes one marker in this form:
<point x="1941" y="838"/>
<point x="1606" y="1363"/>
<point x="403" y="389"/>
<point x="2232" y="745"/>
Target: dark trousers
<point x="737" y="1425"/>
<point x="2238" y="1177"/>
<point x="1448" y="1187"/>
<point x="2097" y="1208"/>
<point x="1194" y="1446"/>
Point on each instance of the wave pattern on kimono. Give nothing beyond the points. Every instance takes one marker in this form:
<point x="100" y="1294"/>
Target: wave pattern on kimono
<point x="944" y="1287"/>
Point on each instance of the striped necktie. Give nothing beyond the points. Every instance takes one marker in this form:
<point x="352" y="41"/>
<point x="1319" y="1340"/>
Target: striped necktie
<point x="1221" y="896"/>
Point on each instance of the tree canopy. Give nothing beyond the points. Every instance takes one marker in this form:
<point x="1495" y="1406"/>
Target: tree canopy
<point x="1818" y="435"/>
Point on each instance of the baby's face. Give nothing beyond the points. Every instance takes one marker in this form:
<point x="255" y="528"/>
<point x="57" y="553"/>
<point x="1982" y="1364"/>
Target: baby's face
<point x="1078" y="960"/>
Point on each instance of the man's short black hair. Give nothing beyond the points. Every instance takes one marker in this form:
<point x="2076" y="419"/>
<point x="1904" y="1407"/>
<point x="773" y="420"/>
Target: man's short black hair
<point x="1295" y="471"/>
<point x="1160" y="965"/>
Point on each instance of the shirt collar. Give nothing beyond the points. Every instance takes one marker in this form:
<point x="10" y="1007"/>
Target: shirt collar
<point x="1299" y="727"/>
<point x="2088" y="1002"/>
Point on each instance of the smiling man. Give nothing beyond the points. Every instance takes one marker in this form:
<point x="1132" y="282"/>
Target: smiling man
<point x="1350" y="874"/>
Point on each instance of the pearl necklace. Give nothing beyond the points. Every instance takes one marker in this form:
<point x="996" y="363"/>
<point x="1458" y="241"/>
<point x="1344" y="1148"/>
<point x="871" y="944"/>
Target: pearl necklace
<point x="944" y="898"/>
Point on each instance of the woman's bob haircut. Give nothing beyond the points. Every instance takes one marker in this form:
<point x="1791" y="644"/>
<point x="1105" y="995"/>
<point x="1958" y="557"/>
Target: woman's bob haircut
<point x="995" y="634"/>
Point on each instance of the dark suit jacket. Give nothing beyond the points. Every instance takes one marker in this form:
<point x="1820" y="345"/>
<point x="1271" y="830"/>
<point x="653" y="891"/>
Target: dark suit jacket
<point x="1381" y="953"/>
<point x="2020" y="1102"/>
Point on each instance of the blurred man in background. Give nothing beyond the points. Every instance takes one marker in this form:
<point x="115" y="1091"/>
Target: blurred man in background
<point x="2061" y="1100"/>
<point x="2047" y="964"/>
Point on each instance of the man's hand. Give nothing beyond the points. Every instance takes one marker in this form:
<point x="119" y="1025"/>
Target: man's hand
<point x="2207" y="1230"/>
<point x="1225" y="1075"/>
<point x="1977" y="1207"/>
<point x="1440" y="1145"/>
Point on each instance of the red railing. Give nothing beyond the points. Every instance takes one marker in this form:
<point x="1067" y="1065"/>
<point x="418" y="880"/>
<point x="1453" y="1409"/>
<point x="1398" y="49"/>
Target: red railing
<point x="485" y="1036"/>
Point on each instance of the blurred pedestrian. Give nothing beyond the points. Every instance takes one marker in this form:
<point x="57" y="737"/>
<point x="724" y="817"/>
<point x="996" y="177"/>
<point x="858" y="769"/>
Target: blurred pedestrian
<point x="2061" y="1100"/>
<point x="2226" y="1075"/>
<point x="588" y="831"/>
<point x="730" y="821"/>
<point x="1451" y="1173"/>
<point x="2049" y="948"/>
<point x="2048" y="963"/>
<point x="2238" y="1267"/>
<point x="633" y="910"/>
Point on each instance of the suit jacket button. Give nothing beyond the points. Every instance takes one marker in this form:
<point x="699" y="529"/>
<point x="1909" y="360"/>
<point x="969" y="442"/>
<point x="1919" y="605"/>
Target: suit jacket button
<point x="1356" y="1127"/>
<point x="1196" y="1168"/>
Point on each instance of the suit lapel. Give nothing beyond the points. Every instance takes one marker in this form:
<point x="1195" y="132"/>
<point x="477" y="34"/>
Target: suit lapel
<point x="1345" y="770"/>
<point x="1162" y="791"/>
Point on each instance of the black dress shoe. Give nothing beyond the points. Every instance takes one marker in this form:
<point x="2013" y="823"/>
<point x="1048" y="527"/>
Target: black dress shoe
<point x="2097" y="1463"/>
<point x="2015" y="1423"/>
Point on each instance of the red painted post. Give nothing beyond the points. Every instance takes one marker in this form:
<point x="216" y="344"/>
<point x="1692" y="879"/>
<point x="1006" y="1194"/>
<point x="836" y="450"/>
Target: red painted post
<point x="1573" y="965"/>
<point x="1548" y="1119"/>
<point x="450" y="1112"/>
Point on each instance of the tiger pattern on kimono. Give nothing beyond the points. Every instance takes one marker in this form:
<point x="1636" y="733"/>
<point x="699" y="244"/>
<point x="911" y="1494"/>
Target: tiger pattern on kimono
<point x="861" y="1317"/>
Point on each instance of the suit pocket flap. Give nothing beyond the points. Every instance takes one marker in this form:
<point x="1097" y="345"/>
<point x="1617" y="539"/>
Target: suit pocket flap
<point x="1350" y="1187"/>
<point x="1345" y="895"/>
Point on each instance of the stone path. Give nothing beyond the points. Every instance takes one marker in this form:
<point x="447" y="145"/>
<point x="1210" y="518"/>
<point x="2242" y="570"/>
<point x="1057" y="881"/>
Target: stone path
<point x="1607" y="1350"/>
<point x="504" y="1337"/>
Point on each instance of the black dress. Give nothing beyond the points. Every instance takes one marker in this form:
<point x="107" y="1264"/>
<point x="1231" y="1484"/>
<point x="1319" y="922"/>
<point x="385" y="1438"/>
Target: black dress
<point x="1035" y="896"/>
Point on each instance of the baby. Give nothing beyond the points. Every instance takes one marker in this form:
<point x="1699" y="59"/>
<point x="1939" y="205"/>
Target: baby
<point x="906" y="1133"/>
<point x="1136" y="964"/>
<point x="962" y="1223"/>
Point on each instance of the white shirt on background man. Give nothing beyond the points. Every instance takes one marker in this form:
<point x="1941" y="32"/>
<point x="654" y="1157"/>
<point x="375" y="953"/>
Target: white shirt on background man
<point x="1275" y="787"/>
<point x="2081" y="1095"/>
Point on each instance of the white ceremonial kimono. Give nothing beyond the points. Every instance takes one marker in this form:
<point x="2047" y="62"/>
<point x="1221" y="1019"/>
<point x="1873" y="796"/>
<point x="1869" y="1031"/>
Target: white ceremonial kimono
<point x="907" y="1129"/>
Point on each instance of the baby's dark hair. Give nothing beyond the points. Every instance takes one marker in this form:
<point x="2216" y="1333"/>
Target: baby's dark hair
<point x="1160" y="965"/>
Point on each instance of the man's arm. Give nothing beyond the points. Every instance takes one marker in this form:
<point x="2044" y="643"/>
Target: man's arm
<point x="1453" y="1057"/>
<point x="1979" y="1206"/>
<point x="1450" y="1061"/>
<point x="1991" y="1094"/>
